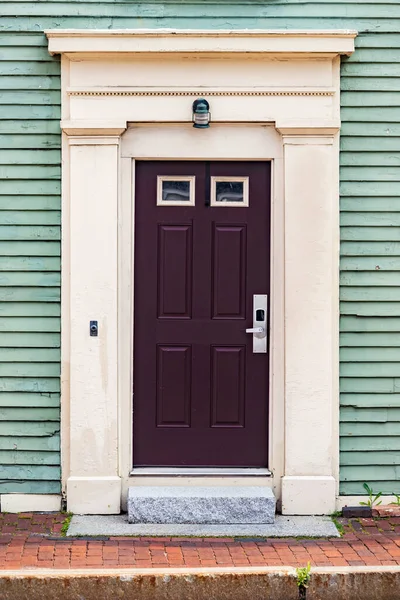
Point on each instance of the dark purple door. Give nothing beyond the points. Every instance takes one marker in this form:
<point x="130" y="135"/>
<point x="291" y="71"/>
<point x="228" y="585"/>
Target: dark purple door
<point x="201" y="252"/>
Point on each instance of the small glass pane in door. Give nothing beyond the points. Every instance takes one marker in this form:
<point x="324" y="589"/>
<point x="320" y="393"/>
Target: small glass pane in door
<point x="230" y="191"/>
<point x="175" y="191"/>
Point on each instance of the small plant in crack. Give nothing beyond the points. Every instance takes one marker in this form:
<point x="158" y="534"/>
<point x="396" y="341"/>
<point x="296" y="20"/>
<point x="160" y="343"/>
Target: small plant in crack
<point x="397" y="501"/>
<point x="303" y="576"/>
<point x="66" y="524"/>
<point x="372" y="497"/>
<point x="338" y="526"/>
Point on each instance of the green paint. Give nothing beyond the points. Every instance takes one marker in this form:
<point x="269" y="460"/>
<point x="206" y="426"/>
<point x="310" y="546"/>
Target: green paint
<point x="27" y="278"/>
<point x="371" y="278"/>
<point x="29" y="414"/>
<point x="42" y="107"/>
<point x="27" y="486"/>
<point x="29" y="263"/>
<point x="27" y="187"/>
<point x="351" y="414"/>
<point x="370" y="458"/>
<point x="368" y="473"/>
<point x="360" y="385"/>
<point x="370" y="400"/>
<point x="30" y="324"/>
<point x="368" y="173"/>
<point x="30" y="157"/>
<point x="29" y="172"/>
<point x="369" y="369"/>
<point x="355" y="355"/>
<point x="30" y="340"/>
<point x="30" y="141"/>
<point x="371" y="340"/>
<point x="30" y="248"/>
<point x="379" y="429"/>
<point x="29" y="309"/>
<point x="364" y="159"/>
<point x="21" y="82"/>
<point x="8" y="369"/>
<point x="29" y="457"/>
<point x="350" y="323"/>
<point x="29" y="232"/>
<point x="370" y="234"/>
<point x="51" y="443"/>
<point x="30" y="294"/>
<point x="30" y="68"/>
<point x="47" y="126"/>
<point x="370" y="444"/>
<point x="370" y="188"/>
<point x="370" y="309"/>
<point x="29" y="384"/>
<point x="24" y="472"/>
<point x="32" y="400"/>
<point x="370" y="219"/>
<point x="368" y="70"/>
<point x="370" y="263"/>
<point x="370" y="249"/>
<point x="29" y="428"/>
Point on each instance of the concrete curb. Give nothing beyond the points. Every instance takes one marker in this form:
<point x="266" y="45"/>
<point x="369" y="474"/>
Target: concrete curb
<point x="247" y="583"/>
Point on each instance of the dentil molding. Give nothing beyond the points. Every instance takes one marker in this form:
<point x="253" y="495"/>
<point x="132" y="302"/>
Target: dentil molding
<point x="205" y="92"/>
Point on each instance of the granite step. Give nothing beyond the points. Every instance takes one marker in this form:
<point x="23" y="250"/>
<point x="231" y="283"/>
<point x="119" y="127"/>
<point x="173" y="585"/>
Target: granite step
<point x="202" y="505"/>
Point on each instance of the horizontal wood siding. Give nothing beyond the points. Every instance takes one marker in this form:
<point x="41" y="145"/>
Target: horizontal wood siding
<point x="30" y="220"/>
<point x="29" y="265"/>
<point x="370" y="265"/>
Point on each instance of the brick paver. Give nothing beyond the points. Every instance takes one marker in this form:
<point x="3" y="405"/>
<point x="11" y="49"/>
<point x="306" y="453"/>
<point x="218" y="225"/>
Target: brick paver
<point x="29" y="541"/>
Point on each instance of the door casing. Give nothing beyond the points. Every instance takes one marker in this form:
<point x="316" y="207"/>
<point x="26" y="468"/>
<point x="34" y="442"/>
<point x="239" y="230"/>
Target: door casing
<point x="166" y="142"/>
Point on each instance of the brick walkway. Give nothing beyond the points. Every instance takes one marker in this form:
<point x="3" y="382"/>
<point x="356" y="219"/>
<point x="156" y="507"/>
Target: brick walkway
<point x="29" y="541"/>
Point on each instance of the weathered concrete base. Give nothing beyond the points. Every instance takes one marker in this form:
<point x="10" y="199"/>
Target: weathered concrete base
<point x="267" y="583"/>
<point x="283" y="527"/>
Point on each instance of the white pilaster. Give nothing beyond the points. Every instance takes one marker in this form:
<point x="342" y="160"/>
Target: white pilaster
<point x="93" y="484"/>
<point x="311" y="321"/>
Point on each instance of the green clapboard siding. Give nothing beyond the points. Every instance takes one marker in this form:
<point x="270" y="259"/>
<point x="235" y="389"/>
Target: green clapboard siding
<point x="29" y="264"/>
<point x="30" y="144"/>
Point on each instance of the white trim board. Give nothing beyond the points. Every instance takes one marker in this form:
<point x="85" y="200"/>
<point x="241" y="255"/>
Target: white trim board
<point x="18" y="503"/>
<point x="191" y="40"/>
<point x="343" y="501"/>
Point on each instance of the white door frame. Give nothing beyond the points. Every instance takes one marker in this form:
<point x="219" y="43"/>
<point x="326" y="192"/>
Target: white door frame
<point x="229" y="142"/>
<point x="273" y="96"/>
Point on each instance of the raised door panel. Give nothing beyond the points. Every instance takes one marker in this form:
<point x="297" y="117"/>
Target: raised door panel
<point x="229" y="271"/>
<point x="174" y="272"/>
<point x="228" y="386"/>
<point x="174" y="382"/>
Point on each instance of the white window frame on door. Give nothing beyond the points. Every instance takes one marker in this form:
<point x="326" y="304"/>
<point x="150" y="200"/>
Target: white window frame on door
<point x="213" y="195"/>
<point x="192" y="190"/>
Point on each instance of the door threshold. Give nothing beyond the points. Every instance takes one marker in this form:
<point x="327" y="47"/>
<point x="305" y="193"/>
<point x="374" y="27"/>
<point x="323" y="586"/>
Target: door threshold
<point x="200" y="472"/>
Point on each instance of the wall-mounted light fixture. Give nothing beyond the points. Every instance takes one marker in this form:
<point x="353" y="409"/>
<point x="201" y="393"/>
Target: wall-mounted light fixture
<point x="201" y="113"/>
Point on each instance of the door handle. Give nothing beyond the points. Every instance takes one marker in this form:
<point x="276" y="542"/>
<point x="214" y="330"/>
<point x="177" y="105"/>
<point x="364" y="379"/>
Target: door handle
<point x="259" y="329"/>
